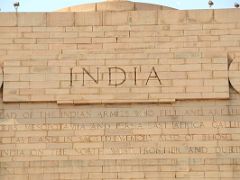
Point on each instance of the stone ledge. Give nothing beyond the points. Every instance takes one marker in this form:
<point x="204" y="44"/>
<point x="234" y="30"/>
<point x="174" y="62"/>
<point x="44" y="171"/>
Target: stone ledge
<point x="82" y="102"/>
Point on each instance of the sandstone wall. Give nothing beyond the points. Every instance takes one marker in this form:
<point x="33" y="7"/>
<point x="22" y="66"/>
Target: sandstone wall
<point x="185" y="127"/>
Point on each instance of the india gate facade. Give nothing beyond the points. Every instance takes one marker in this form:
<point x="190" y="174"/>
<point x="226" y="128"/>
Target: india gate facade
<point x="120" y="90"/>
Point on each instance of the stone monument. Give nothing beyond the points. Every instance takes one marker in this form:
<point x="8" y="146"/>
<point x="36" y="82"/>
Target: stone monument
<point x="120" y="90"/>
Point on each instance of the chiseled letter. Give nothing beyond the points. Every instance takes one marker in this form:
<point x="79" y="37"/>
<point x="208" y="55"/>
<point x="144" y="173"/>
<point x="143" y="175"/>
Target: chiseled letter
<point x="96" y="80"/>
<point x="120" y="70"/>
<point x="153" y="77"/>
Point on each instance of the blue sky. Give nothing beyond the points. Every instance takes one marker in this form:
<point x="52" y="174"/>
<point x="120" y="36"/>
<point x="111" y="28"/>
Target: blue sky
<point x="51" y="5"/>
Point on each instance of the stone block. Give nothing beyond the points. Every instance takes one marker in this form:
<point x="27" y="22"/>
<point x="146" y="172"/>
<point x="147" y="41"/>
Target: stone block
<point x="227" y="16"/>
<point x="142" y="17"/>
<point x="8" y="19"/>
<point x="200" y="16"/>
<point x="172" y="17"/>
<point x="32" y="19"/>
<point x="88" y="18"/>
<point x="115" y="18"/>
<point x="60" y="19"/>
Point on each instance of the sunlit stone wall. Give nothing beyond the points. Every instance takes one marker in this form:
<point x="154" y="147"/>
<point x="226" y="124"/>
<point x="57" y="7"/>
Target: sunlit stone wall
<point x="170" y="111"/>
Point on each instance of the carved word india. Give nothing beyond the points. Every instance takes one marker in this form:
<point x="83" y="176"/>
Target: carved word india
<point x="116" y="76"/>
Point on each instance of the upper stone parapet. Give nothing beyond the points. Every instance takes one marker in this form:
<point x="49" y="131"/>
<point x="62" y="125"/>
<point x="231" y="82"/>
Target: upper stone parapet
<point x="114" y="5"/>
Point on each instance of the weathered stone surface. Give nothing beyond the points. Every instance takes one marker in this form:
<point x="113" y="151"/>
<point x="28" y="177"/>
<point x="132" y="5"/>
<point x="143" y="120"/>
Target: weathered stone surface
<point x="88" y="18"/>
<point x="60" y="19"/>
<point x="32" y="19"/>
<point x="143" y="17"/>
<point x="200" y="16"/>
<point x="184" y="125"/>
<point x="172" y="17"/>
<point x="115" y="18"/>
<point x="8" y="19"/>
<point x="226" y="16"/>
